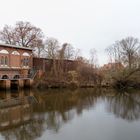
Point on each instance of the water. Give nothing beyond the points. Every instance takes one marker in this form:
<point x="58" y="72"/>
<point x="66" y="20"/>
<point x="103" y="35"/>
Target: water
<point x="85" y="114"/>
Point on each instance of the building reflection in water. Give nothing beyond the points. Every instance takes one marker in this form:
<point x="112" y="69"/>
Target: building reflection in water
<point x="15" y="111"/>
<point x="25" y="115"/>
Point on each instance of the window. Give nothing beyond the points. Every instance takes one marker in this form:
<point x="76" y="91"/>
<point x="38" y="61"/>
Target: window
<point x="15" y="53"/>
<point x="4" y="60"/>
<point x="25" y="62"/>
<point x="26" y="54"/>
<point x="4" y="52"/>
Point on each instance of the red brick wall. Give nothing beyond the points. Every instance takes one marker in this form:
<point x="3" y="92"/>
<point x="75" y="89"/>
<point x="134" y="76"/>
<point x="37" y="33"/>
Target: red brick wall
<point x="15" y="62"/>
<point x="46" y="64"/>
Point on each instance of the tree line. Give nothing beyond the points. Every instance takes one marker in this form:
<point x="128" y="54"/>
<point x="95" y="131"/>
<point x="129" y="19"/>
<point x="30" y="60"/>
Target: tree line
<point x="27" y="35"/>
<point x="127" y="53"/>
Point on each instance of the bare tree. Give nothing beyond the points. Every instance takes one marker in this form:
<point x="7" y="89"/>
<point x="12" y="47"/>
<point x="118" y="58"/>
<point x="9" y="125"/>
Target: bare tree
<point x="108" y="50"/>
<point x="51" y="48"/>
<point x="39" y="48"/>
<point x="77" y="54"/>
<point x="61" y="57"/>
<point x="22" y="34"/>
<point x="130" y="47"/>
<point x="125" y="51"/>
<point x="69" y="51"/>
<point x="7" y="35"/>
<point x="93" y="58"/>
<point x="114" y="52"/>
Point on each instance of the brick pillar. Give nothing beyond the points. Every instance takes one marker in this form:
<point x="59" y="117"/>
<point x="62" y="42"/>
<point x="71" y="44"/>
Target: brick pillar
<point x="2" y="84"/>
<point x="31" y="82"/>
<point x="40" y="73"/>
<point x="28" y="83"/>
<point x="20" y="83"/>
<point x="7" y="84"/>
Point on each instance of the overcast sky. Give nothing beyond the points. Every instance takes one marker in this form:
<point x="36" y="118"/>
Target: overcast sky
<point x="85" y="24"/>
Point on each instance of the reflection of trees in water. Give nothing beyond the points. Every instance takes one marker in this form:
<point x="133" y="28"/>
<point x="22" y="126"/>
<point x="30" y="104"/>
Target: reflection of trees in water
<point x="57" y="107"/>
<point x="61" y="106"/>
<point x="125" y="106"/>
<point x="52" y="111"/>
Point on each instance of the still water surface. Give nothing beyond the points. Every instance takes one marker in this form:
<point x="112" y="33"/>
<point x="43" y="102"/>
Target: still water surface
<point x="85" y="114"/>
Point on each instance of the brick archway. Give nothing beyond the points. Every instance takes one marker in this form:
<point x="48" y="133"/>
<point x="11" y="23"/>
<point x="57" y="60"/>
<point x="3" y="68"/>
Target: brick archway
<point x="16" y="77"/>
<point x="5" y="77"/>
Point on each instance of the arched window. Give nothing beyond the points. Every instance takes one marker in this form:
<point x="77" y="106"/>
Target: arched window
<point x="26" y="54"/>
<point x="24" y="62"/>
<point x="27" y="61"/>
<point x="6" y="60"/>
<point x="15" y="53"/>
<point x="4" y="52"/>
<point x="2" y="60"/>
<point x="5" y="77"/>
<point x="16" y="77"/>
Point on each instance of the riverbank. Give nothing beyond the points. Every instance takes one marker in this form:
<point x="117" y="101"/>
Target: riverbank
<point x="41" y="84"/>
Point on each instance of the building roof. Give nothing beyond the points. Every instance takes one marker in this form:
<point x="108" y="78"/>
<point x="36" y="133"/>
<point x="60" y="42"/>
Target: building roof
<point x="115" y="65"/>
<point x="14" y="46"/>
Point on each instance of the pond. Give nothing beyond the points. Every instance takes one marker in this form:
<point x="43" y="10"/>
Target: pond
<point x="62" y="114"/>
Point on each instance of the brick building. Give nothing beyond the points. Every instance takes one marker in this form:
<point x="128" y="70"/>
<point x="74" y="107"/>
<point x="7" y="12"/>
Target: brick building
<point x="15" y="62"/>
<point x="46" y="65"/>
<point x="112" y="66"/>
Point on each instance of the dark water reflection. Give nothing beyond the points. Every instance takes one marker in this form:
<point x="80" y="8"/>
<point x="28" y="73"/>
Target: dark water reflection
<point x="69" y="115"/>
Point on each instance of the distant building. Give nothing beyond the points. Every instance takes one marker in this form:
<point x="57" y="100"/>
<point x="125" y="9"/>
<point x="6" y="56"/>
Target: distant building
<point x="46" y="65"/>
<point x="113" y="66"/>
<point x="15" y="61"/>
